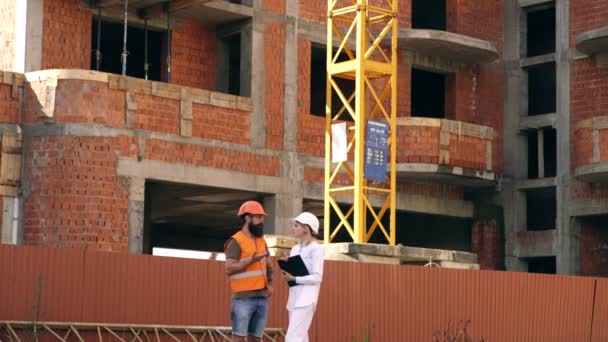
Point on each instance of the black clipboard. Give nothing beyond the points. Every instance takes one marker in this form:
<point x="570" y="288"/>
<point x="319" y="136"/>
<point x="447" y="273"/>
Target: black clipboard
<point x="294" y="266"/>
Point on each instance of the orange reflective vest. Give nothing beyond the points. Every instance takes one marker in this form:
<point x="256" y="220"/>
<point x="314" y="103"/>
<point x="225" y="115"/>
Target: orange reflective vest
<point x="254" y="276"/>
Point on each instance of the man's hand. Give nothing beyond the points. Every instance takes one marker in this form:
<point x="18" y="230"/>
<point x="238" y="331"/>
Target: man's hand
<point x="269" y="290"/>
<point x="257" y="258"/>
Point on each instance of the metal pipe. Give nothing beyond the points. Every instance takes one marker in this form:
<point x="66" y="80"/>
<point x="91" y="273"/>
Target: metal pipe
<point x="146" y="48"/>
<point x="98" y="52"/>
<point x="124" y="42"/>
<point x="169" y="42"/>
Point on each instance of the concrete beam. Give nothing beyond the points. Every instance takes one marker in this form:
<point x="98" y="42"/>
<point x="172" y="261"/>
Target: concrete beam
<point x="527" y="3"/>
<point x="530" y="61"/>
<point x="405" y="202"/>
<point x="205" y="176"/>
<point x="528" y="184"/>
<point x="537" y="121"/>
<point x="593" y="173"/>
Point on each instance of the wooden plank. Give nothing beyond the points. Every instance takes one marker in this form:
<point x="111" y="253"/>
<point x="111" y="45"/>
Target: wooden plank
<point x="10" y="169"/>
<point x="12" y="142"/>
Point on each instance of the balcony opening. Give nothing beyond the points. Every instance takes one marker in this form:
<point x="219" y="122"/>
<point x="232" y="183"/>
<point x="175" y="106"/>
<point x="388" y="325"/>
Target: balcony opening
<point x="229" y="64"/>
<point x="540" y="31"/>
<point x="542" y="90"/>
<point x="318" y="79"/>
<point x="427" y="94"/>
<point x="541" y="209"/>
<point x="542" y="153"/>
<point x="429" y="14"/>
<point x="550" y="151"/>
<point x="545" y="265"/>
<point x="111" y="50"/>
<point x="192" y="218"/>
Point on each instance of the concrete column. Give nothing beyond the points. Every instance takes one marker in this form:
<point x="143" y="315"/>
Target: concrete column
<point x="290" y="112"/>
<point x="568" y="255"/>
<point x="33" y="35"/>
<point x="514" y="144"/>
<point x="258" y="116"/>
<point x="136" y="214"/>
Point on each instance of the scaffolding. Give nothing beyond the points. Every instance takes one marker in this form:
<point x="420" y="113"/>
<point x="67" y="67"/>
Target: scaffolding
<point x="61" y="331"/>
<point x="364" y="25"/>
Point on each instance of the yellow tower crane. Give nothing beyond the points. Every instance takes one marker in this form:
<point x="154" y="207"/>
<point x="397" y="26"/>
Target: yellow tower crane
<point x="360" y="140"/>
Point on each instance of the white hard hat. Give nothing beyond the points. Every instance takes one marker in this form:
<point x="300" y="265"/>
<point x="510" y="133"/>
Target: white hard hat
<point x="310" y="219"/>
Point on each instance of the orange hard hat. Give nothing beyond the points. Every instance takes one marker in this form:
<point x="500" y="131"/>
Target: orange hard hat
<point x="253" y="208"/>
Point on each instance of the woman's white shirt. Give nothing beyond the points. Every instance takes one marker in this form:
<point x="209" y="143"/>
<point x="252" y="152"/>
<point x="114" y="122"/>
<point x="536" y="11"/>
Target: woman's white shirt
<point x="306" y="292"/>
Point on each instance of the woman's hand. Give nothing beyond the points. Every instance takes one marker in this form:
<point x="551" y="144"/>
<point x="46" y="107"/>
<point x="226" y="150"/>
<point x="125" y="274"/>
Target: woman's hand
<point x="288" y="276"/>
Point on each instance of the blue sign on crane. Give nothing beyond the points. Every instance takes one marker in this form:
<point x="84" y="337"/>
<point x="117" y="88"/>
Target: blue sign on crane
<point x="376" y="150"/>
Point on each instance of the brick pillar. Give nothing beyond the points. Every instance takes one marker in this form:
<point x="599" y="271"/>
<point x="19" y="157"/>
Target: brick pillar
<point x="486" y="243"/>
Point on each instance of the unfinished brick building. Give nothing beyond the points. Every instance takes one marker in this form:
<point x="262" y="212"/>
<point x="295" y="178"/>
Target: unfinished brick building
<point x="502" y="105"/>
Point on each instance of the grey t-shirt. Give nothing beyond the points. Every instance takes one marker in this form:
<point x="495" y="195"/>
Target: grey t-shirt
<point x="233" y="251"/>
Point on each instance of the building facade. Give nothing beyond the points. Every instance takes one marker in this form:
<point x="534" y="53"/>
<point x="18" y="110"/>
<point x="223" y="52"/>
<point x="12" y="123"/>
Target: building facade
<point x="502" y="133"/>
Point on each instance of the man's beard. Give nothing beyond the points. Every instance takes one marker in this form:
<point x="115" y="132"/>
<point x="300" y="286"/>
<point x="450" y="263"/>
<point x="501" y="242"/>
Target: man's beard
<point x="256" y="230"/>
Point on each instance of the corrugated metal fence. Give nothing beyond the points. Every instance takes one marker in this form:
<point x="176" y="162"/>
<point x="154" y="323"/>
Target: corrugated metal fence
<point x="392" y="303"/>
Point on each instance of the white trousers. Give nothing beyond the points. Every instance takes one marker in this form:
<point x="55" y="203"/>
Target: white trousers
<point x="299" y="323"/>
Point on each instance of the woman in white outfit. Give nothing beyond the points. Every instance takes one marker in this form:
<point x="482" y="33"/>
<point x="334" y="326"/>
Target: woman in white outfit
<point x="303" y="297"/>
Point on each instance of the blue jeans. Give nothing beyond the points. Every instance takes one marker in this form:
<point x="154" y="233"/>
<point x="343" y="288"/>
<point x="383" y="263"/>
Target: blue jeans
<point x="249" y="316"/>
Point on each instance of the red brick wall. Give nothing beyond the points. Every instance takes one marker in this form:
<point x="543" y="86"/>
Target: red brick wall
<point x="311" y="129"/>
<point x="437" y="190"/>
<point x="404" y="87"/>
<point x="417" y="144"/>
<point x="277" y="6"/>
<point x="316" y="10"/>
<point x="212" y="157"/>
<point x="157" y="114"/>
<point x="586" y="15"/>
<point x="588" y="99"/>
<point x="594" y="246"/>
<point x="274" y="63"/>
<point x="486" y="243"/>
<point x="219" y="123"/>
<point x="478" y="19"/>
<point x="9" y="105"/>
<point x="475" y="96"/>
<point x="66" y="37"/>
<point x="588" y="90"/>
<point x="194" y="56"/>
<point x="75" y="197"/>
<point x="467" y="152"/>
<point x="582" y="148"/>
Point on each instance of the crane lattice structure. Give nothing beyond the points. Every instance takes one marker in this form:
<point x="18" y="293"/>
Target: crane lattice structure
<point x="359" y="27"/>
